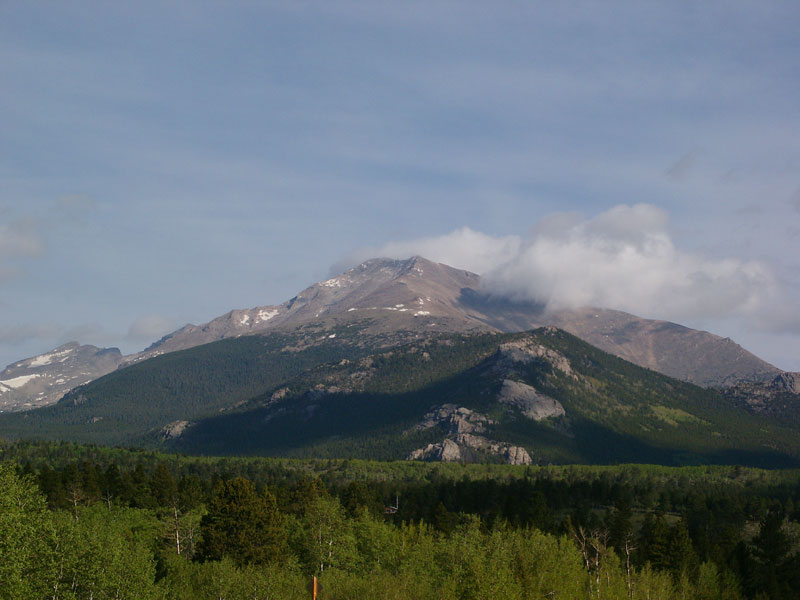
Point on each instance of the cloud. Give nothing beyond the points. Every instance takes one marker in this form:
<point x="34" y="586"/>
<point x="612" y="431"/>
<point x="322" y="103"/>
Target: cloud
<point x="150" y="328"/>
<point x="19" y="334"/>
<point x="75" y="208"/>
<point x="464" y="248"/>
<point x="623" y="258"/>
<point x="18" y="239"/>
<point x="25" y="235"/>
<point x="89" y="333"/>
<point x="681" y="169"/>
<point x="795" y="200"/>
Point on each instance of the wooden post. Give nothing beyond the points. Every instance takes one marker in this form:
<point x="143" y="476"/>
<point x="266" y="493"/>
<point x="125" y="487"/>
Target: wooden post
<point x="314" y="588"/>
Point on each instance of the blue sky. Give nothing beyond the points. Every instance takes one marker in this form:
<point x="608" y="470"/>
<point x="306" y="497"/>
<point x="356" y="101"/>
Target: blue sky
<point x="164" y="162"/>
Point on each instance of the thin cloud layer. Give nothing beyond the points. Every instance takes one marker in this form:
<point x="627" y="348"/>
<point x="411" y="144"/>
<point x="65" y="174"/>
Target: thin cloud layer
<point x="18" y="239"/>
<point x="623" y="258"/>
<point x="150" y="328"/>
<point x="464" y="248"/>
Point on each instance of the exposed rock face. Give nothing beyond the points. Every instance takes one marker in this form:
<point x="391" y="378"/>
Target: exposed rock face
<point x="44" y="379"/>
<point x="779" y="396"/>
<point x="446" y="451"/>
<point x="279" y="394"/>
<point x="404" y="291"/>
<point x="463" y="426"/>
<point x="174" y="429"/>
<point x="456" y="419"/>
<point x="451" y="450"/>
<point x="531" y="403"/>
<point x="517" y="455"/>
<point x="527" y="350"/>
<point x="418" y="294"/>
<point x="696" y="356"/>
<point x="412" y="297"/>
<point x="787" y="382"/>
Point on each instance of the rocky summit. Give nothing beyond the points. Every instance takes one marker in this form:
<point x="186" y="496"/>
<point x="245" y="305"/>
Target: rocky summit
<point x="43" y="379"/>
<point x="418" y="294"/>
<point x="397" y="300"/>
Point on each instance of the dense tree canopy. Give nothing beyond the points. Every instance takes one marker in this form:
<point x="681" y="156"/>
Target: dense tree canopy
<point x="156" y="528"/>
<point x="242" y="525"/>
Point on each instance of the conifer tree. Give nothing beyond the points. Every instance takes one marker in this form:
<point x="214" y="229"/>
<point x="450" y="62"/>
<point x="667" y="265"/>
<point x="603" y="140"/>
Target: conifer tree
<point x="242" y="524"/>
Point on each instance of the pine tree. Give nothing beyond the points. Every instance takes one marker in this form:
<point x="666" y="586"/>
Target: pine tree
<point x="242" y="524"/>
<point x="777" y="569"/>
<point x="654" y="541"/>
<point x="620" y="528"/>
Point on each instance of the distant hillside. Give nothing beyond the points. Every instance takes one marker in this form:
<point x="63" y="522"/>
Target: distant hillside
<point x="42" y="380"/>
<point x="779" y="397"/>
<point x="481" y="397"/>
<point x="418" y="293"/>
<point x="537" y="397"/>
<point x="128" y="404"/>
<point x="392" y="300"/>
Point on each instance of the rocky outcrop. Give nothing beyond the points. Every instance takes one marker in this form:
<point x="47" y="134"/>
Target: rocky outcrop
<point x="456" y="419"/>
<point x="527" y="350"/>
<point x="463" y="428"/>
<point x="781" y="395"/>
<point x="787" y="382"/>
<point x="44" y="379"/>
<point x="173" y="430"/>
<point x="457" y="448"/>
<point x="530" y="403"/>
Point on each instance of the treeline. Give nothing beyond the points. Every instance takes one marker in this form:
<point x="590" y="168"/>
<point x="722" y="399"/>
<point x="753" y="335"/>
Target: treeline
<point x="85" y="530"/>
<point x="353" y="396"/>
<point x="131" y="405"/>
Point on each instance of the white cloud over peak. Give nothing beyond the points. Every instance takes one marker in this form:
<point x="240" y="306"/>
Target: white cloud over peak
<point x="623" y="258"/>
<point x="150" y="328"/>
<point x="463" y="248"/>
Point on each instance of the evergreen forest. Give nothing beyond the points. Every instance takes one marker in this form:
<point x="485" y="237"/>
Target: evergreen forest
<point x="91" y="522"/>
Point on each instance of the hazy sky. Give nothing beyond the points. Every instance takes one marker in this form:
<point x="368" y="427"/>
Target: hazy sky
<point x="165" y="162"/>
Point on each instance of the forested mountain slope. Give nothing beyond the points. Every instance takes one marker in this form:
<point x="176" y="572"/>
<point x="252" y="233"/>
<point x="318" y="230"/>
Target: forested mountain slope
<point x="386" y="301"/>
<point x="420" y="294"/>
<point x="453" y="398"/>
<point x="536" y="397"/>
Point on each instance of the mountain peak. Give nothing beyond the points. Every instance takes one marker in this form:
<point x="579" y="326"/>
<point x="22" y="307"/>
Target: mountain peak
<point x="43" y="379"/>
<point x="418" y="296"/>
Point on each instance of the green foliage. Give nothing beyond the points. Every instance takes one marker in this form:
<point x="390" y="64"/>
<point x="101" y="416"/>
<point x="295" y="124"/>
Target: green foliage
<point x="329" y="540"/>
<point x="27" y="537"/>
<point x="491" y="547"/>
<point x="105" y="554"/>
<point x="361" y="397"/>
<point x="242" y="525"/>
<point x="184" y="580"/>
<point x="132" y="405"/>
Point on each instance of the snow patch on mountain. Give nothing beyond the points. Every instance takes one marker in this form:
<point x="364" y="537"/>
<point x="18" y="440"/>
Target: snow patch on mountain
<point x="17" y="382"/>
<point x="46" y="359"/>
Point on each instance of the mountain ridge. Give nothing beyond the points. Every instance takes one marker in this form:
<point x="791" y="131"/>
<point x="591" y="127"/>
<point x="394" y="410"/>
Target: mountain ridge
<point x="416" y="294"/>
<point x="43" y="379"/>
<point x="431" y="292"/>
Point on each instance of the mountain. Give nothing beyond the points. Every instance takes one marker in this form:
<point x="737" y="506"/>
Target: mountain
<point x="42" y="380"/>
<point x="778" y="397"/>
<point x="533" y="397"/>
<point x="420" y="294"/>
<point x="397" y="299"/>
<point x="392" y="294"/>
<point x="687" y="354"/>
